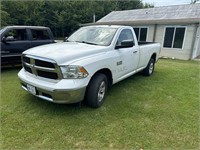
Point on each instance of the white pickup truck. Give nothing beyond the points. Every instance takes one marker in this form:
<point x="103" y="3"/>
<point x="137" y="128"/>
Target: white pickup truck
<point x="82" y="68"/>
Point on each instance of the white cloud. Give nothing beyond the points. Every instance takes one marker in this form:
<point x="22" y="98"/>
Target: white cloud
<point x="167" y="2"/>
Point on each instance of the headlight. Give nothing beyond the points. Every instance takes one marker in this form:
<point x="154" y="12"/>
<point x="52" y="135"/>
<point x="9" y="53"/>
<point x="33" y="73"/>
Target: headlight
<point x="73" y="72"/>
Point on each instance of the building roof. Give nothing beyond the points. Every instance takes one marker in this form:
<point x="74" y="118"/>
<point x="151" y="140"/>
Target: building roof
<point x="189" y="13"/>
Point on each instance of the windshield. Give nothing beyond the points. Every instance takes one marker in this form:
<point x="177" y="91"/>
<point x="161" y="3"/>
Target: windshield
<point x="93" y="35"/>
<point x="1" y="30"/>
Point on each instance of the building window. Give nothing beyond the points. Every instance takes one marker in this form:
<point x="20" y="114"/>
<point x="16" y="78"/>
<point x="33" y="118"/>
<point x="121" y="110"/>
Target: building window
<point x="174" y="37"/>
<point x="141" y="33"/>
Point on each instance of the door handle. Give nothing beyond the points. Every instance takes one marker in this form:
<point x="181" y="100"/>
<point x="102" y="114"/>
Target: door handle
<point x="135" y="51"/>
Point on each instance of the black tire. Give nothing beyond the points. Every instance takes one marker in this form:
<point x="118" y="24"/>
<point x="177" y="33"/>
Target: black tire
<point x="148" y="71"/>
<point x="96" y="90"/>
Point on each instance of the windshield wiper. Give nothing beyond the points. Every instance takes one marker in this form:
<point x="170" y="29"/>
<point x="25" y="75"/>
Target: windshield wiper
<point x="86" y="42"/>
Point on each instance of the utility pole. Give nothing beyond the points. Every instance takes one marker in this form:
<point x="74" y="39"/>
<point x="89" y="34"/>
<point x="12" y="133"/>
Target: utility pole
<point x="94" y="18"/>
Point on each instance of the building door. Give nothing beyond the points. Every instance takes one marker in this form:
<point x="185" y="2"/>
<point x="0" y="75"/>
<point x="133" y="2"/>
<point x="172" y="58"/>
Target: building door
<point x="196" y="51"/>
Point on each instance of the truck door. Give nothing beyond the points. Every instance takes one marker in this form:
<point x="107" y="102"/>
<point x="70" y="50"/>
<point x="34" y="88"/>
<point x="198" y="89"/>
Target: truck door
<point x="128" y="57"/>
<point x="14" y="42"/>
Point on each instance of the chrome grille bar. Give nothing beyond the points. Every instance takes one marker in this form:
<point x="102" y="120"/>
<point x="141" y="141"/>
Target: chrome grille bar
<point x="46" y="68"/>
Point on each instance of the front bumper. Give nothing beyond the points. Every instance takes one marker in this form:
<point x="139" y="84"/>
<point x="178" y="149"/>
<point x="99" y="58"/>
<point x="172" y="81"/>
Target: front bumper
<point x="54" y="91"/>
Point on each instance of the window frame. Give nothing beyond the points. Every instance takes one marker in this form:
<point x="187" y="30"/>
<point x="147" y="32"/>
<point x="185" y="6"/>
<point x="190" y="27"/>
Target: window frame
<point x="172" y="45"/>
<point x="146" y="27"/>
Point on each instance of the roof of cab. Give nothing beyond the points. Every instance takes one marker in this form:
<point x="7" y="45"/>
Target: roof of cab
<point x="29" y="27"/>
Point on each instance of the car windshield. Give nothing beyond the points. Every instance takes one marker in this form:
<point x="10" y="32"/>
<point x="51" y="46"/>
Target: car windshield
<point x="93" y="35"/>
<point x="1" y="30"/>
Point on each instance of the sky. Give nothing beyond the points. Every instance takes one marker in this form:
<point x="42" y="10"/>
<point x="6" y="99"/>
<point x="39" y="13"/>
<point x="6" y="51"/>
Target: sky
<point x="167" y="2"/>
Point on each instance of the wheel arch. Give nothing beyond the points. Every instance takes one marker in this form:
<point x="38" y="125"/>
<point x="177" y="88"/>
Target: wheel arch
<point x="107" y="72"/>
<point x="154" y="56"/>
<point x="92" y="91"/>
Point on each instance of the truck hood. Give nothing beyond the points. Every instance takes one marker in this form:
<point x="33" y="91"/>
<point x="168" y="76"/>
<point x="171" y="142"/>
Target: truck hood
<point x="66" y="52"/>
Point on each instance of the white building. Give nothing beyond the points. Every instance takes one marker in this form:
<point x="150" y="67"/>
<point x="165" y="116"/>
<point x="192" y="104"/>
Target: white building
<point x="177" y="28"/>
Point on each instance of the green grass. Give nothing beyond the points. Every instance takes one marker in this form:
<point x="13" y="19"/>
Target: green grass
<point x="157" y="112"/>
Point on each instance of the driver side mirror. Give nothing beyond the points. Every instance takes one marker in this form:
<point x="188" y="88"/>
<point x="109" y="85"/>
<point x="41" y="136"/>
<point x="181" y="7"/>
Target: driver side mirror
<point x="125" y="44"/>
<point x="7" y="39"/>
<point x="3" y="39"/>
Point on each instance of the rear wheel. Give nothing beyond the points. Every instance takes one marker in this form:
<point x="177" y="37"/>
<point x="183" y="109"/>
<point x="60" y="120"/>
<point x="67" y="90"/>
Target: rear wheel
<point x="96" y="90"/>
<point x="150" y="68"/>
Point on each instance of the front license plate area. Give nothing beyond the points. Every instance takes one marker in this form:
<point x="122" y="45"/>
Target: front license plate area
<point x="31" y="89"/>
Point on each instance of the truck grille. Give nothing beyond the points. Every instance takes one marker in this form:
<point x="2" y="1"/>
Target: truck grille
<point x="41" y="67"/>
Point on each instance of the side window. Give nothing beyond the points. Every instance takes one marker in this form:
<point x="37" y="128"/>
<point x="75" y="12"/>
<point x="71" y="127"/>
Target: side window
<point x="126" y="34"/>
<point x="40" y="34"/>
<point x="17" y="35"/>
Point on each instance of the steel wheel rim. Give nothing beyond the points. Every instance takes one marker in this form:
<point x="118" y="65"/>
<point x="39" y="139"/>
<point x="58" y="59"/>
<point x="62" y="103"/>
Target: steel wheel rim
<point x="102" y="90"/>
<point x="151" y="68"/>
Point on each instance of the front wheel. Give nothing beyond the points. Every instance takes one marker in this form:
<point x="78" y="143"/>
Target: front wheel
<point x="96" y="90"/>
<point x="150" y="68"/>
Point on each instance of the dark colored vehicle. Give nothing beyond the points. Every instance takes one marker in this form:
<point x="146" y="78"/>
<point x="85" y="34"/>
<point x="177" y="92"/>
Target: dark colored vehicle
<point x="16" y="39"/>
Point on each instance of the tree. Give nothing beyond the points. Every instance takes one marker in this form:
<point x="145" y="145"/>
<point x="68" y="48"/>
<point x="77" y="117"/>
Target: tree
<point x="5" y="17"/>
<point x="64" y="16"/>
